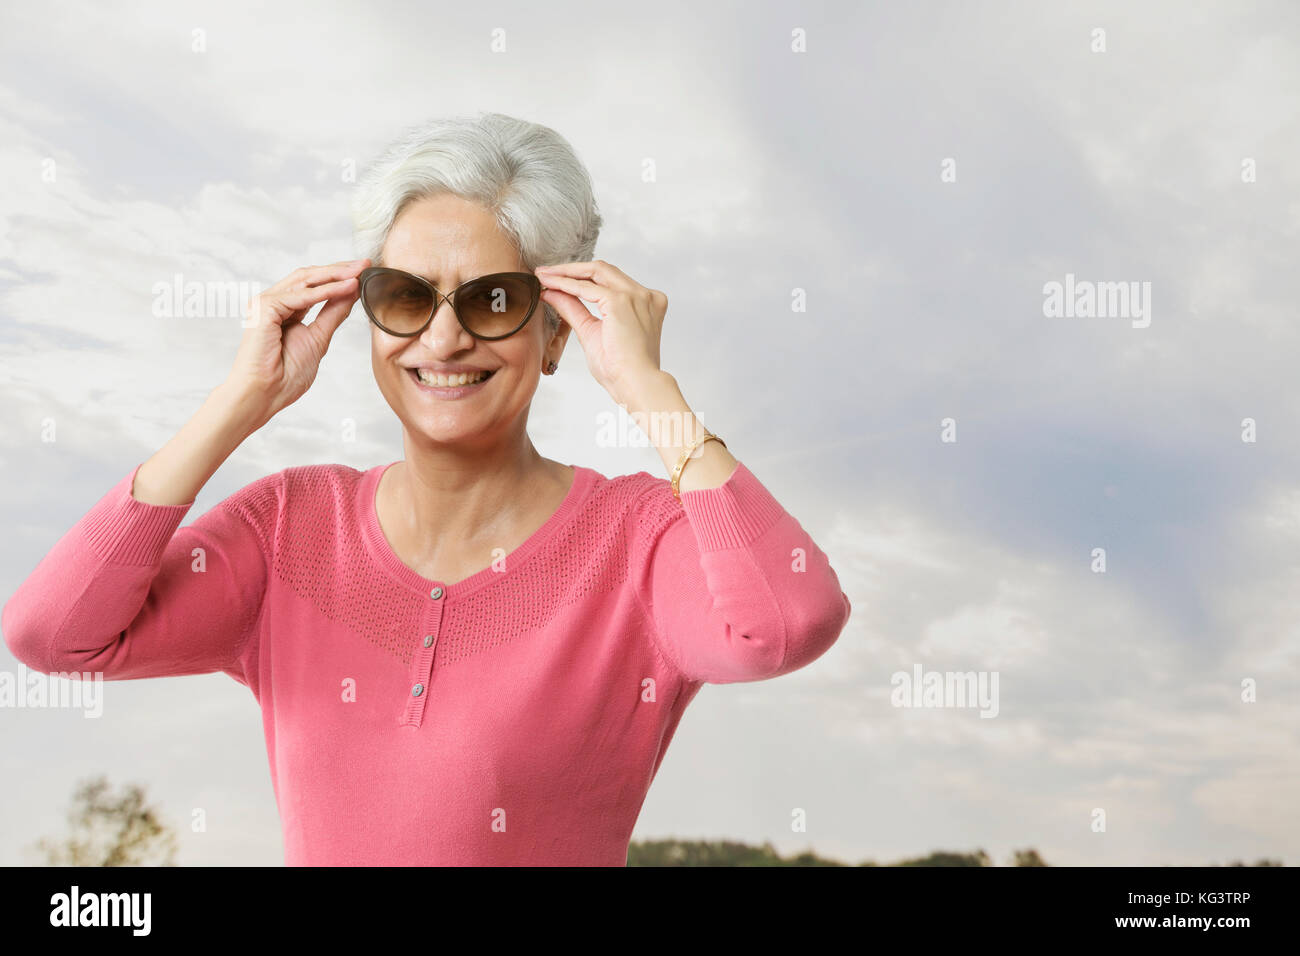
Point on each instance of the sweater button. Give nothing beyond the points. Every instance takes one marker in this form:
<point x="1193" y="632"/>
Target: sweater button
<point x="435" y="593"/>
<point x="417" y="690"/>
<point x="428" y="640"/>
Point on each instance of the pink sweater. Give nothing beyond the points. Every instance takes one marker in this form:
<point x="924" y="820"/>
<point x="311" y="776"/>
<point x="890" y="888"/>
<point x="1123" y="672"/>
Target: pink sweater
<point x="515" y="717"/>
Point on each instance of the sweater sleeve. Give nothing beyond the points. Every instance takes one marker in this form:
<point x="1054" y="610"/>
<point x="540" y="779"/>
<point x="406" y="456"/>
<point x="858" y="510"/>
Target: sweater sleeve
<point x="735" y="588"/>
<point x="128" y="594"/>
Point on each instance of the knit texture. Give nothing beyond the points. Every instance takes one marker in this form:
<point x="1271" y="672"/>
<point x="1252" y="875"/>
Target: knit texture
<point x="515" y="717"/>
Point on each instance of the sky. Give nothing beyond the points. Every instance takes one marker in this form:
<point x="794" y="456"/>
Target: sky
<point x="856" y="212"/>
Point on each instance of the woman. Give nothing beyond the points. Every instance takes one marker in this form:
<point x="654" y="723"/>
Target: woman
<point x="474" y="655"/>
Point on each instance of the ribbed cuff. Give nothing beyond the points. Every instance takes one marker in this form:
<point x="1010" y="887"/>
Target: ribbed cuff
<point x="733" y="514"/>
<point x="123" y="530"/>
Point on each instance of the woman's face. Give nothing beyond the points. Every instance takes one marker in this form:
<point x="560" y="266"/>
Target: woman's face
<point x="448" y="241"/>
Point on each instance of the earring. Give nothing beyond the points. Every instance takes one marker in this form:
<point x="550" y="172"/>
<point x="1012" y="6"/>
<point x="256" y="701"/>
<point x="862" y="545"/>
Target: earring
<point x="551" y="367"/>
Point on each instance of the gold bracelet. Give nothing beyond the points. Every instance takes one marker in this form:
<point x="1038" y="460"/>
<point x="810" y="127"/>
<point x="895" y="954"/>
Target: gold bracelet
<point x="681" y="462"/>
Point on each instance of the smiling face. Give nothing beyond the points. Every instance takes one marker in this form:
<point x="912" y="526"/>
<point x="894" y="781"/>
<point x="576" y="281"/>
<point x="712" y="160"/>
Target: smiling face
<point x="448" y="241"/>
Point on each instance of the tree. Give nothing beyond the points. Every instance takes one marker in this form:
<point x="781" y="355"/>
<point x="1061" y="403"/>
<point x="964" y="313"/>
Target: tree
<point x="731" y="853"/>
<point x="1260" y="862"/>
<point x="110" y="830"/>
<point x="1028" y="857"/>
<point x="948" y="858"/>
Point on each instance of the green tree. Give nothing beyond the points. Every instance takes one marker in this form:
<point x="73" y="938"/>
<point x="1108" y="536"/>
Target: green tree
<point x="731" y="853"/>
<point x="1259" y="862"/>
<point x="1028" y="857"/>
<point x="945" y="858"/>
<point x="111" y="830"/>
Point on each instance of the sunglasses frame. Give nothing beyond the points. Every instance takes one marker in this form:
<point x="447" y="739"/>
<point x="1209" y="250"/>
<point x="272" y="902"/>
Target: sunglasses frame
<point x="534" y="283"/>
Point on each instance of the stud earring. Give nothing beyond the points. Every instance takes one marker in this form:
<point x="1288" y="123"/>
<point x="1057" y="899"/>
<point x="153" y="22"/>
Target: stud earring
<point x="551" y="367"/>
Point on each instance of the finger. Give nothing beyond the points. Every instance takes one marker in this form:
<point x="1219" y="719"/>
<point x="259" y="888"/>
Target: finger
<point x="316" y="275"/>
<point x="580" y="288"/>
<point x="572" y="311"/>
<point x="329" y="319"/>
<point x="304" y="298"/>
<point x="335" y="271"/>
<point x="597" y="270"/>
<point x="288" y="306"/>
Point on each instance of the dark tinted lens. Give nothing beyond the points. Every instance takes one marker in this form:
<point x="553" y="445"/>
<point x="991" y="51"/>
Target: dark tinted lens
<point x="398" y="303"/>
<point x="494" y="305"/>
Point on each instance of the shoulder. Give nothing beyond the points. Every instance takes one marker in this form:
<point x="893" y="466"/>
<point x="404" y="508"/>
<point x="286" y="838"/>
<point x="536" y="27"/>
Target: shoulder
<point x="640" y="503"/>
<point x="298" y="488"/>
<point x="314" y="480"/>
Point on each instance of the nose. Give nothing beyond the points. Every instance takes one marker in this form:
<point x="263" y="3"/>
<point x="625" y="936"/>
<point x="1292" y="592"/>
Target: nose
<point x="444" y="335"/>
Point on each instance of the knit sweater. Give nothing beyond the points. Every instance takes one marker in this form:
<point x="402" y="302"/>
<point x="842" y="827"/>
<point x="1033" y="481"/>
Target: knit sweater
<point x="515" y="717"/>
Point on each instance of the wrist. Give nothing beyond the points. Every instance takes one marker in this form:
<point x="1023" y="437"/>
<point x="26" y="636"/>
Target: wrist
<point x="242" y="410"/>
<point x="648" y="390"/>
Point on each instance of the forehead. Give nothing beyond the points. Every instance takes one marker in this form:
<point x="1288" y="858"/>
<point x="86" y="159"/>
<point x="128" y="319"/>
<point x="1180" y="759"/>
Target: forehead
<point x="446" y="236"/>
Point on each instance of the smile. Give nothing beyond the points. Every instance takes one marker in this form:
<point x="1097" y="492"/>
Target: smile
<point x="450" y="386"/>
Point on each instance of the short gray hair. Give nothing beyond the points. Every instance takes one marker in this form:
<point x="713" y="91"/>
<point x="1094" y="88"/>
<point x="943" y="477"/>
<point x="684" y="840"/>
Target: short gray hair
<point x="525" y="174"/>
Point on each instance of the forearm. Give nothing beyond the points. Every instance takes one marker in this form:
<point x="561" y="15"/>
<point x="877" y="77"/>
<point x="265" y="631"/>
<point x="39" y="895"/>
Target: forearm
<point x="123" y="594"/>
<point x="736" y="588"/>
<point x="177" y="471"/>
<point x="657" y="403"/>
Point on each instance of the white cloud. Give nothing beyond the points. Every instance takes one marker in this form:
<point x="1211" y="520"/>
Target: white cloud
<point x="775" y="171"/>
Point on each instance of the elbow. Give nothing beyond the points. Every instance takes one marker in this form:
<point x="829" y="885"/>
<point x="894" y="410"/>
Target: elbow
<point x="26" y="640"/>
<point x="814" y="629"/>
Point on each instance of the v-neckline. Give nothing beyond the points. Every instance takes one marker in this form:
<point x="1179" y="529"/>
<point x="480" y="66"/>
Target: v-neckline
<point x="382" y="550"/>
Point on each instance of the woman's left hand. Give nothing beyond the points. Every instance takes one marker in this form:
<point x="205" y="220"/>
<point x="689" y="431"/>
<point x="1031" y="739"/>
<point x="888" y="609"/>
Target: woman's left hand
<point x="622" y="345"/>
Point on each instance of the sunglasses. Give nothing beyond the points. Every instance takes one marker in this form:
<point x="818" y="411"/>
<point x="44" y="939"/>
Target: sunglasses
<point x="490" y="307"/>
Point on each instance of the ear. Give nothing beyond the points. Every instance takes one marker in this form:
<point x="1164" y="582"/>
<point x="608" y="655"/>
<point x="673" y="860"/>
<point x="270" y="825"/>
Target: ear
<point x="558" y="342"/>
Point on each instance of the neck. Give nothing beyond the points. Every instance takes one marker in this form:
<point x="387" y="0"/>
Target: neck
<point x="444" y="496"/>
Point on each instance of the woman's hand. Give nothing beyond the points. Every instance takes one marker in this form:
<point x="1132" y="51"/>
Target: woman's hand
<point x="278" y="355"/>
<point x="622" y="345"/>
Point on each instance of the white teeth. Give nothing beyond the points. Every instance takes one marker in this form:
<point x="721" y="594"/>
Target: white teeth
<point x="450" y="381"/>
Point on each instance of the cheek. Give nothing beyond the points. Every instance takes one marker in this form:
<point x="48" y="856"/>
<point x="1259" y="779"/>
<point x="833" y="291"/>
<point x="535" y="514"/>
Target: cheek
<point x="382" y="365"/>
<point x="525" y="350"/>
<point x="382" y="348"/>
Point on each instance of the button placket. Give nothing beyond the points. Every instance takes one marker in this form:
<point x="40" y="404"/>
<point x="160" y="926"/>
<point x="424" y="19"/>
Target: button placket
<point x="421" y="671"/>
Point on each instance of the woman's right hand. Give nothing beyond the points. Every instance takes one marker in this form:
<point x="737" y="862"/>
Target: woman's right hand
<point x="278" y="355"/>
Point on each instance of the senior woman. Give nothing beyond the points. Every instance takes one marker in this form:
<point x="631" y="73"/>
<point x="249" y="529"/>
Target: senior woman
<point x="474" y="655"/>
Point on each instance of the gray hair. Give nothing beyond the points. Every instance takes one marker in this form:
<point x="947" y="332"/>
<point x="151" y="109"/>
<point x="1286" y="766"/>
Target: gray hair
<point x="525" y="174"/>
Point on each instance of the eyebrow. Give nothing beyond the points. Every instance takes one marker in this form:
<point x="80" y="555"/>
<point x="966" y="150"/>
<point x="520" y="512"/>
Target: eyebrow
<point x="379" y="263"/>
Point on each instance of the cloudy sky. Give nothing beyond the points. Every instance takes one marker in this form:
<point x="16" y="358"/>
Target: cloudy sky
<point x="922" y="172"/>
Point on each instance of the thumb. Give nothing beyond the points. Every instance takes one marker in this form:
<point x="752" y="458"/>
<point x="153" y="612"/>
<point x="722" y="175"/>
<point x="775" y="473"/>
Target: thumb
<point x="329" y="319"/>
<point x="572" y="311"/>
